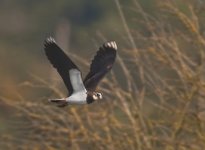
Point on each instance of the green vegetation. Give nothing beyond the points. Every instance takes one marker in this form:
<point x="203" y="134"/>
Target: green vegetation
<point x="153" y="98"/>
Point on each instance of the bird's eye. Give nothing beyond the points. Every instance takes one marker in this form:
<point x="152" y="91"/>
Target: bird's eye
<point x="99" y="95"/>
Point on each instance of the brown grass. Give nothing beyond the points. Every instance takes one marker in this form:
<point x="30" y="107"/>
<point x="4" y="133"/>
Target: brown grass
<point x="152" y="100"/>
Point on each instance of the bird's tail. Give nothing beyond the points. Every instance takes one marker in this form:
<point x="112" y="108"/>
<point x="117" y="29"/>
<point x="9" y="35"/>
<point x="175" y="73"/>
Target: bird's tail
<point x="59" y="102"/>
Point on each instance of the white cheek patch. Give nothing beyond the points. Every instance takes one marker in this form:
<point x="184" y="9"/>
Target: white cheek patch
<point x="95" y="97"/>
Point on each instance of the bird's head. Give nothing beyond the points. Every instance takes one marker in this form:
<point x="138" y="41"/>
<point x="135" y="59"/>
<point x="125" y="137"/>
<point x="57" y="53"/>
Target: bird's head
<point x="97" y="96"/>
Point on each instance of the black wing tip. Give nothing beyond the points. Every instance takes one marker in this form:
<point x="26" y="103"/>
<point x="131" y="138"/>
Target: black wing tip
<point x="49" y="41"/>
<point x="110" y="44"/>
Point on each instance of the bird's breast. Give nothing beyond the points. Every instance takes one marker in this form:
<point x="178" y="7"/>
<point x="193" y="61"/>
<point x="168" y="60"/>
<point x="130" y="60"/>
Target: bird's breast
<point x="78" y="98"/>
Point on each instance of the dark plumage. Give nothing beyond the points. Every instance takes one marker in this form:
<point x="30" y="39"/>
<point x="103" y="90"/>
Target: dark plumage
<point x="101" y="64"/>
<point x="80" y="92"/>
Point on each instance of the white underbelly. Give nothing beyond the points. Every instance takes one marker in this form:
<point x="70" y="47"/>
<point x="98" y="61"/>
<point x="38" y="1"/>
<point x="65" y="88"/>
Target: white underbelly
<point x="77" y="98"/>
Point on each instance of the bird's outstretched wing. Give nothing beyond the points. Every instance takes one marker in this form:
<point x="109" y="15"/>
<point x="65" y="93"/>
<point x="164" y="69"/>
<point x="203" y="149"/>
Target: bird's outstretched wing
<point x="101" y="64"/>
<point x="60" y="61"/>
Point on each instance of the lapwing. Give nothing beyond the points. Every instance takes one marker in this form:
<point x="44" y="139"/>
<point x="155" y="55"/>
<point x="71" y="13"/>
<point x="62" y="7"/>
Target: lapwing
<point x="80" y="91"/>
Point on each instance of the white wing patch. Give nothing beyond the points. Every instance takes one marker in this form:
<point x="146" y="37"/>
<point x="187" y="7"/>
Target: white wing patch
<point x="50" y="40"/>
<point x="111" y="44"/>
<point x="79" y="92"/>
<point x="76" y="80"/>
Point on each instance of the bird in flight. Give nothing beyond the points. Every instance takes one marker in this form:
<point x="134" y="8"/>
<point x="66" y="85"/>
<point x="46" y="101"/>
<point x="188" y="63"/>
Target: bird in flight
<point x="80" y="91"/>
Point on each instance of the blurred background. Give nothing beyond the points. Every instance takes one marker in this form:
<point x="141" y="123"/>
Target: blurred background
<point x="153" y="97"/>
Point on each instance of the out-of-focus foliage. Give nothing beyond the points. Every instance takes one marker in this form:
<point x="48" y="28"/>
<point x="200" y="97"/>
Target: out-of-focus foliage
<point x="153" y="98"/>
<point x="25" y="24"/>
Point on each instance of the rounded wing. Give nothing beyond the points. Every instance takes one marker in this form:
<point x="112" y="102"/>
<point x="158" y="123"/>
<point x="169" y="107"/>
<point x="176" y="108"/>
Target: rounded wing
<point x="101" y="65"/>
<point x="60" y="61"/>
